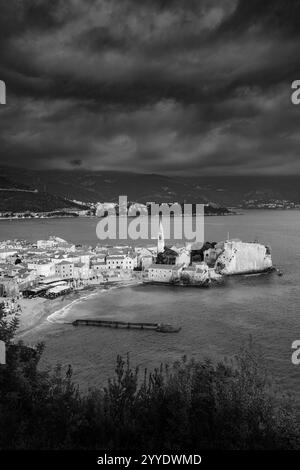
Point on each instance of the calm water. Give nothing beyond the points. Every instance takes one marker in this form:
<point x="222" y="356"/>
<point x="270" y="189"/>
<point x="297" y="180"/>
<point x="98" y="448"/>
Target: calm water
<point x="215" y="322"/>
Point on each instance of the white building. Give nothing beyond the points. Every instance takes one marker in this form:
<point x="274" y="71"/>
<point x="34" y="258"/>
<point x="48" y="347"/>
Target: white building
<point x="164" y="272"/>
<point x="121" y="261"/>
<point x="52" y="242"/>
<point x="6" y="253"/>
<point x="198" y="273"/>
<point x="98" y="258"/>
<point x="81" y="271"/>
<point x="183" y="255"/>
<point x="41" y="244"/>
<point x="64" y="270"/>
<point x="115" y="261"/>
<point x="238" y="257"/>
<point x="130" y="262"/>
<point x="42" y="267"/>
<point x="99" y="266"/>
<point x="145" y="258"/>
<point x="45" y="268"/>
<point x="85" y="257"/>
<point x="106" y="207"/>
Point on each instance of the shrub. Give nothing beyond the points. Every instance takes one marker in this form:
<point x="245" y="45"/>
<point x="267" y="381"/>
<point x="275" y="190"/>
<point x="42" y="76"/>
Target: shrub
<point x="189" y="405"/>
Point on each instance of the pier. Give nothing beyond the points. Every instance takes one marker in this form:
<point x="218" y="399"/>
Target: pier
<point x="159" y="327"/>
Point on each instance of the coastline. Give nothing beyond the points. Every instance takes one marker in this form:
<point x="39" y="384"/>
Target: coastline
<point x="39" y="310"/>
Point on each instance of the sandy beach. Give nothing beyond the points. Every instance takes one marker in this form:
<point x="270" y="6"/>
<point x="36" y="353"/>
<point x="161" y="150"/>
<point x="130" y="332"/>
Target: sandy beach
<point x="36" y="311"/>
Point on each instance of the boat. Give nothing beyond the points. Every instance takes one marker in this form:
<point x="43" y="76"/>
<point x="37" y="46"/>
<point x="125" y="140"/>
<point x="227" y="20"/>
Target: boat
<point x="167" y="328"/>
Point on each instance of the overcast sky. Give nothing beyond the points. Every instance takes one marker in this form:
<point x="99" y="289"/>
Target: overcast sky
<point x="164" y="86"/>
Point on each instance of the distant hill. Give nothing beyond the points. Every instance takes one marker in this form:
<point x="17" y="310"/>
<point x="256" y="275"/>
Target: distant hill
<point x="15" y="196"/>
<point x="106" y="186"/>
<point x="6" y="183"/>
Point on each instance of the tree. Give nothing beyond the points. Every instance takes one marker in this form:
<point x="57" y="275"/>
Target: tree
<point x="189" y="405"/>
<point x="8" y="327"/>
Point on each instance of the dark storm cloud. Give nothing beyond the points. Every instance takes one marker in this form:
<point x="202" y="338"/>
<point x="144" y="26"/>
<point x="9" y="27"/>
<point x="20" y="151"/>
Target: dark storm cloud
<point x="151" y="85"/>
<point x="76" y="162"/>
<point x="274" y="15"/>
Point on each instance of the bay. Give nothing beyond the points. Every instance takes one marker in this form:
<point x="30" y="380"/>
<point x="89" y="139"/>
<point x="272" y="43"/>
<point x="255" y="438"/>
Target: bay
<point x="215" y="322"/>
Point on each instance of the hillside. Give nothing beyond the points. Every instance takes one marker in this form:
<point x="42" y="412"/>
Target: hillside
<point x="19" y="197"/>
<point x="6" y="183"/>
<point x="94" y="186"/>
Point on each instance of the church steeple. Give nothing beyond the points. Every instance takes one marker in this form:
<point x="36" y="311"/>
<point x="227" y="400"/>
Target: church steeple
<point x="160" y="238"/>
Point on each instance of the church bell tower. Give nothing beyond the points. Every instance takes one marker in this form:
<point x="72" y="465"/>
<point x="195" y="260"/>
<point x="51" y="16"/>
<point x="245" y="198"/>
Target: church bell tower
<point x="160" y="238"/>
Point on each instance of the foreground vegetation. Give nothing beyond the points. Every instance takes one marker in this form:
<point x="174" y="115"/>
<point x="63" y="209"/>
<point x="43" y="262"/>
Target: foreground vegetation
<point x="190" y="405"/>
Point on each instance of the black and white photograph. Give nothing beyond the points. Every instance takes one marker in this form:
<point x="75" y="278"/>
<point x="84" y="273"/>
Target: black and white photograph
<point x="149" y="231"/>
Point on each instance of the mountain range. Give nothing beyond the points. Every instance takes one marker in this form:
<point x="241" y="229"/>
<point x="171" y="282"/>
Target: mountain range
<point x="61" y="187"/>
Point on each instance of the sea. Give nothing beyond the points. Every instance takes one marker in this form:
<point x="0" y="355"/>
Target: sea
<point x="215" y="322"/>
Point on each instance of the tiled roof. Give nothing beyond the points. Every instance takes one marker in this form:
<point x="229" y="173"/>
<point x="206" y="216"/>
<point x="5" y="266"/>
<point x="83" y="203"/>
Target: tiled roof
<point x="173" y="267"/>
